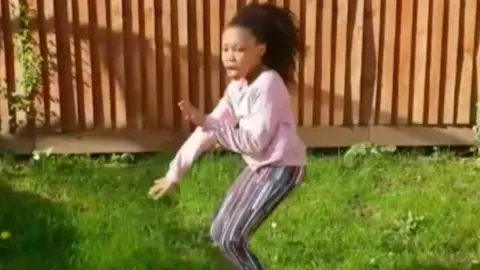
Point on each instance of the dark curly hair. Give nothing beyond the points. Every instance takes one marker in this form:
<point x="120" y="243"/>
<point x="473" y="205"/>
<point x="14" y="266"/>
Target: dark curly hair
<point x="277" y="28"/>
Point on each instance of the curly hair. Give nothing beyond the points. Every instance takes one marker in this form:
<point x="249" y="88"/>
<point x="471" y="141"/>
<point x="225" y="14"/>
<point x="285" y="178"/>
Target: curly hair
<point x="277" y="28"/>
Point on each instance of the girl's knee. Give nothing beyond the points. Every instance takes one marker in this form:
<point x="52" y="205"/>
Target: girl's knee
<point x="216" y="232"/>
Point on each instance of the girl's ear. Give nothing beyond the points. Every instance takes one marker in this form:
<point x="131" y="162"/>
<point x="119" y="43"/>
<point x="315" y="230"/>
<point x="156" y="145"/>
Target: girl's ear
<point x="262" y="49"/>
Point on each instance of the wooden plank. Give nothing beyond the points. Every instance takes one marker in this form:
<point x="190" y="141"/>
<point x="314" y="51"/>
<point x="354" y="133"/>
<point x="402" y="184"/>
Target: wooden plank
<point x="326" y="104"/>
<point x="101" y="37"/>
<point x="375" y="7"/>
<point x="436" y="56"/>
<point x="422" y="136"/>
<point x="200" y="25"/>
<point x="110" y="64"/>
<point x="67" y="99"/>
<point x="94" y="12"/>
<point x="118" y="58"/>
<point x="4" y="114"/>
<point x="405" y="62"/>
<point x="42" y="103"/>
<point x="165" y="140"/>
<point x="453" y="35"/>
<point x="421" y="45"/>
<point x="52" y="61"/>
<point x="340" y="61"/>
<point x="129" y="68"/>
<point x="159" y="59"/>
<point x="310" y="34"/>
<point x="388" y="63"/>
<point x="104" y="141"/>
<point x="466" y="76"/>
<point x="295" y="87"/>
<point x="136" y="76"/>
<point x="84" y="81"/>
<point x="168" y="101"/>
<point x="214" y="63"/>
<point x="356" y="51"/>
<point x="183" y="43"/>
<point x="149" y="65"/>
<point x="10" y="67"/>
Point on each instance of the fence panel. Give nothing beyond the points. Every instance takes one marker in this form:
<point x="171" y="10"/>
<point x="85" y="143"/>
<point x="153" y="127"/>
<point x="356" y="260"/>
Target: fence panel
<point x="396" y="72"/>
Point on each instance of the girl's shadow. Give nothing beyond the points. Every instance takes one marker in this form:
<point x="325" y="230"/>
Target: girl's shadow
<point x="39" y="231"/>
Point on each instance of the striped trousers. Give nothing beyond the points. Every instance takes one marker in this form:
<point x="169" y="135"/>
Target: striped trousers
<point x="250" y="200"/>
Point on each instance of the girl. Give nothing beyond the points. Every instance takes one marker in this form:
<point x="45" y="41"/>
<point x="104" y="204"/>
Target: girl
<point x="254" y="119"/>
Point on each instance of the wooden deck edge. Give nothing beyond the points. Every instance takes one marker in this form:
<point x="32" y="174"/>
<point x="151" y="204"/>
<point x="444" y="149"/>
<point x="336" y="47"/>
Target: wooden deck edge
<point x="422" y="136"/>
<point x="17" y="144"/>
<point x="163" y="140"/>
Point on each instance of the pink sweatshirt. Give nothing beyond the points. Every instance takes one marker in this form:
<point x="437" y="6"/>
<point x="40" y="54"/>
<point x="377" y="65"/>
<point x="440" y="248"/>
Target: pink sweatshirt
<point x="253" y="120"/>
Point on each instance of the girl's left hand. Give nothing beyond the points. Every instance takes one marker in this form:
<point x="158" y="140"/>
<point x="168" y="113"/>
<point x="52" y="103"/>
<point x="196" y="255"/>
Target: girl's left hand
<point x="191" y="113"/>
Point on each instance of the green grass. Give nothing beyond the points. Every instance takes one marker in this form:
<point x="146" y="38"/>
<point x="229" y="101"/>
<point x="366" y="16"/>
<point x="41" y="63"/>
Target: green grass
<point x="388" y="212"/>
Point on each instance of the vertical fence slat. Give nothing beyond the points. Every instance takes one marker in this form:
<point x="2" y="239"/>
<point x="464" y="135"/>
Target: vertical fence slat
<point x="340" y="48"/>
<point x="82" y="64"/>
<point x="388" y="63"/>
<point x="142" y="84"/>
<point x="9" y="54"/>
<point x="3" y="69"/>
<point x="77" y="62"/>
<point x="110" y="63"/>
<point x="102" y="65"/>
<point x="159" y="49"/>
<point x="136" y="75"/>
<point x="436" y="61"/>
<point x="129" y="69"/>
<point x="168" y="101"/>
<point x="326" y="110"/>
<point x="404" y="61"/>
<point x="421" y="45"/>
<point x="375" y="7"/>
<point x="296" y="105"/>
<point x="200" y="26"/>
<point x="355" y="64"/>
<point x="183" y="55"/>
<point x="148" y="65"/>
<point x="52" y="59"/>
<point x="214" y="52"/>
<point x="94" y="57"/>
<point x="466" y="76"/>
<point x="67" y="99"/>
<point x="452" y="36"/>
<point x="310" y="57"/>
<point x="118" y="72"/>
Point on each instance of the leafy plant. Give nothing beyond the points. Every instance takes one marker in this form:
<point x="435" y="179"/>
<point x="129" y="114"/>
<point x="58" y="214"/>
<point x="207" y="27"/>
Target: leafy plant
<point x="21" y="95"/>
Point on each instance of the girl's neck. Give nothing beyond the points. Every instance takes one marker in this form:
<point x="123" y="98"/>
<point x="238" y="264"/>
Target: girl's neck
<point x="254" y="73"/>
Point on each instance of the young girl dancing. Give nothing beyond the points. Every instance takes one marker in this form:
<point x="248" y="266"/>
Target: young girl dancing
<point x="254" y="119"/>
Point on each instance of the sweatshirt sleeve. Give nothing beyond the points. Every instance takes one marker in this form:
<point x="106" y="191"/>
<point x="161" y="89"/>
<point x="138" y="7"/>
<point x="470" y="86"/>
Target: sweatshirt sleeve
<point x="199" y="141"/>
<point x="266" y="110"/>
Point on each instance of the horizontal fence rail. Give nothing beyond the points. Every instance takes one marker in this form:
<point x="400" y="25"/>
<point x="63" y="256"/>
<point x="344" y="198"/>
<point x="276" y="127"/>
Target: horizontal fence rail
<point x="401" y="72"/>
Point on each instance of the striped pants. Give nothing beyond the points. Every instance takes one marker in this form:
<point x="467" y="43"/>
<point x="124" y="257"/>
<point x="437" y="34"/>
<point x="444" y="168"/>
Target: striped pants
<point x="250" y="200"/>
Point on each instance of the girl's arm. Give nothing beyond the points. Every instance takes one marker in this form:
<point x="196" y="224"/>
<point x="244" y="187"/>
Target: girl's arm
<point x="198" y="142"/>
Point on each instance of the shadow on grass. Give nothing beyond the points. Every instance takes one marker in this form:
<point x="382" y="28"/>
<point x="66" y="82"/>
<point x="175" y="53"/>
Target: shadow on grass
<point x="41" y="236"/>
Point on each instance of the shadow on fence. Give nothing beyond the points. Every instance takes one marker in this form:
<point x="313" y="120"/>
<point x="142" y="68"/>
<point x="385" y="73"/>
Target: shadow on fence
<point x="134" y="79"/>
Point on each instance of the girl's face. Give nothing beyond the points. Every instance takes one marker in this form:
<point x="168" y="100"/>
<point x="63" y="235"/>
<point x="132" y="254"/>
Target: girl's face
<point x="241" y="53"/>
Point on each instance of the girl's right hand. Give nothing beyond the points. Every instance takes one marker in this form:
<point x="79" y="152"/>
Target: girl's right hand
<point x="161" y="187"/>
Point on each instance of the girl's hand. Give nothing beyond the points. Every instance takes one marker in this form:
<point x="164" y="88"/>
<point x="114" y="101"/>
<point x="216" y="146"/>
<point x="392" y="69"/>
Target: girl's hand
<point x="191" y="113"/>
<point x="161" y="187"/>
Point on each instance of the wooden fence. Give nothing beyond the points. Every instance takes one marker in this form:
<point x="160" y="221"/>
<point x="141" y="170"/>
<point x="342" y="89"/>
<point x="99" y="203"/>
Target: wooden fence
<point x="401" y="72"/>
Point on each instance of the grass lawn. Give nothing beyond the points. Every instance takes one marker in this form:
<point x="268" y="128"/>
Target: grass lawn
<point x="388" y="212"/>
